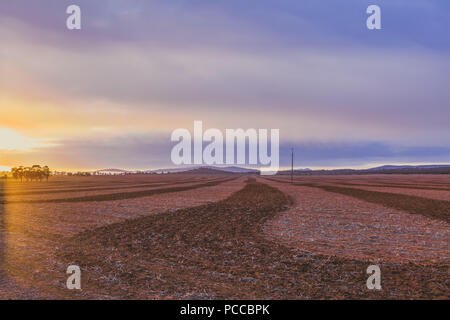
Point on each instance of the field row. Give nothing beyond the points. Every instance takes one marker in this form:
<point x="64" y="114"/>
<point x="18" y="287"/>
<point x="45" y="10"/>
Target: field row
<point x="214" y="236"/>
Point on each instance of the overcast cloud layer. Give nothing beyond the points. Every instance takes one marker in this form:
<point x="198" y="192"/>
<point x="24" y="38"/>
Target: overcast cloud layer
<point x="110" y="94"/>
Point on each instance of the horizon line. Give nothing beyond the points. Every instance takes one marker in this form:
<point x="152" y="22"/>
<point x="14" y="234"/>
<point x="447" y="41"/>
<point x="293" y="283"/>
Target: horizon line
<point x="313" y="168"/>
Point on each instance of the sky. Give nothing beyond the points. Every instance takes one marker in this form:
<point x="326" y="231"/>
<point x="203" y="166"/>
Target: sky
<point x="109" y="95"/>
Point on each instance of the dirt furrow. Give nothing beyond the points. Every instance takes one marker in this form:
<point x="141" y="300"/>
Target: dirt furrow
<point x="218" y="251"/>
<point x="30" y="234"/>
<point x="121" y="195"/>
<point x="91" y="189"/>
<point x="437" y="209"/>
<point x="433" y="208"/>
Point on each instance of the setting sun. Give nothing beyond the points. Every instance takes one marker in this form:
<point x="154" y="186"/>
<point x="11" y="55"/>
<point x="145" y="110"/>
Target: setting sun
<point x="11" y="140"/>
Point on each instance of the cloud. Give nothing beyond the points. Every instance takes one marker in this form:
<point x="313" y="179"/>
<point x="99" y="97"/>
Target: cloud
<point x="150" y="151"/>
<point x="386" y="92"/>
<point x="11" y="140"/>
<point x="309" y="68"/>
<point x="266" y="24"/>
<point x="131" y="152"/>
<point x="360" y="154"/>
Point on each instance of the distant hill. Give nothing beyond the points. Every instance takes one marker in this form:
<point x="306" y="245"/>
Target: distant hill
<point x="386" y="169"/>
<point x="203" y="170"/>
<point x="395" y="167"/>
<point x="170" y="170"/>
<point x="212" y="169"/>
<point x="218" y="170"/>
<point x="111" y="171"/>
<point x="233" y="169"/>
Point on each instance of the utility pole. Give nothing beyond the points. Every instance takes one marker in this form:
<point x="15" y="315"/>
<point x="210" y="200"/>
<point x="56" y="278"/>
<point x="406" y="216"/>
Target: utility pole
<point x="292" y="165"/>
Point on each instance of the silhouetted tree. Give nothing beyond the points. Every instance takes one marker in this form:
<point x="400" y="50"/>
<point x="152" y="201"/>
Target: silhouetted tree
<point x="35" y="172"/>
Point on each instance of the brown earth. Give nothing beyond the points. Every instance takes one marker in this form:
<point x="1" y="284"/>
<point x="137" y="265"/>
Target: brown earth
<point x="31" y="233"/>
<point x="187" y="236"/>
<point x="218" y="251"/>
<point x="338" y="224"/>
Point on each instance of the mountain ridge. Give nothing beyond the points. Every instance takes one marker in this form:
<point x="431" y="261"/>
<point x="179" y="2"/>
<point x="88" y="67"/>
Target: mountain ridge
<point x="384" y="169"/>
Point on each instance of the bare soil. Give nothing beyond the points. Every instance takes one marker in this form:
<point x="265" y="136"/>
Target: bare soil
<point x="218" y="251"/>
<point x="218" y="237"/>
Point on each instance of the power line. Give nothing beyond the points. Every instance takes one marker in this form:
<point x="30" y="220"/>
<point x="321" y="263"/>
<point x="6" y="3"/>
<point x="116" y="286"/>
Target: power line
<point x="292" y="165"/>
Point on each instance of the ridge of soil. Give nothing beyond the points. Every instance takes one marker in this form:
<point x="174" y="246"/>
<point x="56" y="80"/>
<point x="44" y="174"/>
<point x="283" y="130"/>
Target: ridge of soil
<point x="124" y="195"/>
<point x="437" y="209"/>
<point x="432" y="208"/>
<point x="218" y="251"/>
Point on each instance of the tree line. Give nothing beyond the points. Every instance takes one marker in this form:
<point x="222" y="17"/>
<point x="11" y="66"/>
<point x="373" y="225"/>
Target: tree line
<point x="35" y="172"/>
